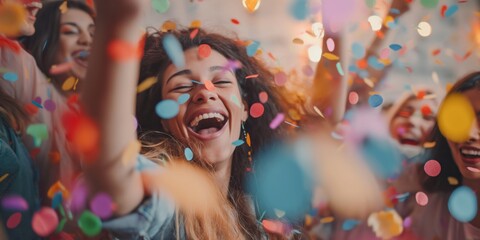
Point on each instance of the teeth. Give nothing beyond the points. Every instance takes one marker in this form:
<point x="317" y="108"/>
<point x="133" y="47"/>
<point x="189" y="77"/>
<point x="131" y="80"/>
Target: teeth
<point x="200" y="117"/>
<point x="471" y="152"/>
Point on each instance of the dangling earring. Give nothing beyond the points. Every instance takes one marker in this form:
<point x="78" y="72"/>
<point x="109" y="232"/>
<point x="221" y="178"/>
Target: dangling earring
<point x="246" y="136"/>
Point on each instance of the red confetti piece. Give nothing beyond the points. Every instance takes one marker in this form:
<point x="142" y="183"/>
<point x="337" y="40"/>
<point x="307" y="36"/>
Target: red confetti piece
<point x="204" y="50"/>
<point x="443" y="10"/>
<point x="194" y="33"/>
<point x="81" y="132"/>
<point x="44" y="221"/>
<point x="426" y="110"/>
<point x="121" y="51"/>
<point x="271" y="56"/>
<point x="421" y="94"/>
<point x="251" y="76"/>
<point x="61" y="68"/>
<point x="436" y="52"/>
<point x="280" y="78"/>
<point x="353" y="98"/>
<point x="421" y="198"/>
<point x="432" y="168"/>
<point x="30" y="108"/>
<point x="235" y="21"/>
<point x="256" y="110"/>
<point x="209" y="85"/>
<point x="14" y="220"/>
<point x="263" y="97"/>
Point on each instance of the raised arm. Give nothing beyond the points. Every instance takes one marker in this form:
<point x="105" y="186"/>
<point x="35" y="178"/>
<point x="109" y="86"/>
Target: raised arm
<point x="108" y="98"/>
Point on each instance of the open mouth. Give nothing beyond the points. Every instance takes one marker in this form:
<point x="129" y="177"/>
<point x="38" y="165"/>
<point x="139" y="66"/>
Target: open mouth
<point x="208" y="125"/>
<point x="81" y="57"/>
<point x="409" y="141"/>
<point x="470" y="155"/>
<point x="32" y="9"/>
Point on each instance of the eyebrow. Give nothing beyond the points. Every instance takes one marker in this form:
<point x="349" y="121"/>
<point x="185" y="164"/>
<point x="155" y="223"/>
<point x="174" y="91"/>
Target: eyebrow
<point x="189" y="72"/>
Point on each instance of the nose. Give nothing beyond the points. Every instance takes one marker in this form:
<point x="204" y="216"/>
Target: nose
<point x="474" y="134"/>
<point x="85" y="39"/>
<point x="202" y="94"/>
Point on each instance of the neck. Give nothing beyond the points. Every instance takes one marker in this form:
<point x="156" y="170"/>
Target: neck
<point x="475" y="186"/>
<point x="223" y="171"/>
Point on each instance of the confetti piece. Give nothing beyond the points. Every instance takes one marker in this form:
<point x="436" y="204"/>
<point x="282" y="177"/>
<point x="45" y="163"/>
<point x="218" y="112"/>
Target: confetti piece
<point x="330" y="44"/>
<point x="204" y="50"/>
<point x="429" y="3"/>
<point x="90" y="224"/>
<point x="84" y="135"/>
<point x="3" y="177"/>
<point x="327" y="220"/>
<point x="69" y="83"/>
<point x="375" y="100"/>
<point x="39" y="133"/>
<point x="349" y="224"/>
<point x="13" y="15"/>
<point x="299" y="9"/>
<point x="102" y="205"/>
<point x="297" y="41"/>
<point x="263" y="97"/>
<point x="331" y="56"/>
<point x="382" y="156"/>
<point x="161" y="6"/>
<point x="256" y="110"/>
<point x="462" y="204"/>
<point x="174" y="50"/>
<point x="209" y="85"/>
<point x="146" y="84"/>
<point x="374" y="63"/>
<point x="375" y="22"/>
<point x="183" y="98"/>
<point x="252" y="48"/>
<point x="238" y="142"/>
<point x="358" y="50"/>
<point x="280" y="78"/>
<point x="14" y="220"/>
<point x="455" y="118"/>
<point x="273" y="226"/>
<point x="56" y="187"/>
<point x="49" y="105"/>
<point x="10" y="76"/>
<point x="168" y="26"/>
<point x="451" y="10"/>
<point x="339" y="69"/>
<point x="194" y="33"/>
<point x="167" y="109"/>
<point x="251" y="76"/>
<point x="63" y="7"/>
<point x="57" y="200"/>
<point x="251" y="5"/>
<point x="338" y="13"/>
<point x="432" y="168"/>
<point x="421" y="198"/>
<point x="277" y="121"/>
<point x="188" y="154"/>
<point x="386" y="224"/>
<point x="235" y="21"/>
<point x="429" y="144"/>
<point x="318" y="30"/>
<point x="318" y="111"/>
<point x="424" y="29"/>
<point x="315" y="53"/>
<point x="452" y="181"/>
<point x="370" y="3"/>
<point x="395" y="47"/>
<point x="121" y="50"/>
<point x="196" y="24"/>
<point x="235" y="100"/>
<point x="61" y="68"/>
<point x="353" y="98"/>
<point x="44" y="221"/>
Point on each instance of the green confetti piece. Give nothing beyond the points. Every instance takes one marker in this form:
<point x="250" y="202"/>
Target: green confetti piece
<point x="39" y="132"/>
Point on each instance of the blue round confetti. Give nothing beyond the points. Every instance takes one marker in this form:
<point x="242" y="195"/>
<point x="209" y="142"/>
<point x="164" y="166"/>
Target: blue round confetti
<point x="167" y="109"/>
<point x="375" y="100"/>
<point x="252" y="48"/>
<point x="238" y="142"/>
<point x="188" y="154"/>
<point x="463" y="204"/>
<point x="395" y="47"/>
<point x="299" y="9"/>
<point x="358" y="50"/>
<point x="10" y="76"/>
<point x="174" y="50"/>
<point x="183" y="98"/>
<point x="349" y="224"/>
<point x="451" y="10"/>
<point x="382" y="156"/>
<point x="374" y="63"/>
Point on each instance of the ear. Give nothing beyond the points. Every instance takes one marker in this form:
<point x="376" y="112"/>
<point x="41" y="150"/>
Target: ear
<point x="245" y="111"/>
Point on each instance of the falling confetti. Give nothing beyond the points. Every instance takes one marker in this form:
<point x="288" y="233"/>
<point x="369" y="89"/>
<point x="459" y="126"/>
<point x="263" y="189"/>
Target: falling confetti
<point x="188" y="154"/>
<point x="10" y="76"/>
<point x="429" y="3"/>
<point x="421" y="198"/>
<point x="39" y="133"/>
<point x="204" y="50"/>
<point x="102" y="205"/>
<point x="69" y="83"/>
<point x="183" y="98"/>
<point x="451" y="10"/>
<point x="61" y="68"/>
<point x="331" y="56"/>
<point x="455" y="118"/>
<point x="315" y="53"/>
<point x="299" y="9"/>
<point x="13" y="15"/>
<point x="252" y="48"/>
<point x="174" y="50"/>
<point x="161" y="6"/>
<point x="340" y="69"/>
<point x="277" y="121"/>
<point x="14" y="203"/>
<point x="146" y="84"/>
<point x="256" y="110"/>
<point x="375" y="100"/>
<point x="395" y="47"/>
<point x="251" y="5"/>
<point x="424" y="29"/>
<point x="358" y="50"/>
<point x="90" y="224"/>
<point x="238" y="142"/>
<point x="349" y="224"/>
<point x="375" y="22"/>
<point x="44" y="221"/>
<point x="462" y="204"/>
<point x="330" y="44"/>
<point x="14" y="220"/>
<point x="280" y="78"/>
<point x="167" y="109"/>
<point x="432" y="168"/>
<point x="353" y="98"/>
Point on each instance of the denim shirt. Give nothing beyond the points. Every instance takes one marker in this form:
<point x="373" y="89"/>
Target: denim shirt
<point x="153" y="219"/>
<point x="18" y="177"/>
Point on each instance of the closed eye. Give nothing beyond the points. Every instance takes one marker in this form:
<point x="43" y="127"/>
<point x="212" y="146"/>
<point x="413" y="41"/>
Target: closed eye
<point x="222" y="82"/>
<point x="183" y="88"/>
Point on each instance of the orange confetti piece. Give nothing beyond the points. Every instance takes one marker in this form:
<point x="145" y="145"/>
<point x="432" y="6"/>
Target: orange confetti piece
<point x="209" y="85"/>
<point x="196" y="24"/>
<point x="426" y="110"/>
<point x="61" y="68"/>
<point x="421" y="94"/>
<point x="204" y="50"/>
<point x="251" y="76"/>
<point x="429" y="144"/>
<point x="31" y="109"/>
<point x="63" y="7"/>
<point x="362" y="63"/>
<point x="58" y="186"/>
<point x="271" y="56"/>
<point x="251" y="5"/>
<point x="169" y="26"/>
<point x="194" y="33"/>
<point x="234" y="21"/>
<point x="120" y="50"/>
<point x="331" y="56"/>
<point x="13" y="15"/>
<point x="297" y="41"/>
<point x="327" y="220"/>
<point x="69" y="83"/>
<point x="436" y="52"/>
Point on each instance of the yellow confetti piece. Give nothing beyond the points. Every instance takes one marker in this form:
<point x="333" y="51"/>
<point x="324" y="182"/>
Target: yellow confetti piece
<point x="369" y="82"/>
<point x="3" y="177"/>
<point x="195" y="24"/>
<point x="452" y="181"/>
<point x="331" y="56"/>
<point x="456" y="117"/>
<point x="327" y="220"/>
<point x="63" y="8"/>
<point x="429" y="144"/>
<point x="146" y="84"/>
<point x="169" y="26"/>
<point x="58" y="186"/>
<point x="69" y="83"/>
<point x="129" y="154"/>
<point x="294" y="114"/>
<point x="318" y="111"/>
<point x="12" y="16"/>
<point x="386" y="224"/>
<point x="251" y="5"/>
<point x="297" y="41"/>
<point x="308" y="220"/>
